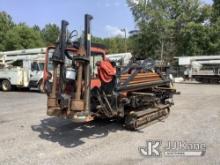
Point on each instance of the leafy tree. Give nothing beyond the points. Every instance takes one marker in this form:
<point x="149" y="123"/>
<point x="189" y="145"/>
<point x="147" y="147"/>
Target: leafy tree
<point x="117" y="44"/>
<point x="166" y="28"/>
<point x="50" y="33"/>
<point x="171" y="28"/>
<point x="214" y="44"/>
<point x="216" y="10"/>
<point x="23" y="37"/>
<point x="156" y="27"/>
<point x="6" y="24"/>
<point x="214" y="30"/>
<point x="195" y="39"/>
<point x="36" y="28"/>
<point x="114" y="44"/>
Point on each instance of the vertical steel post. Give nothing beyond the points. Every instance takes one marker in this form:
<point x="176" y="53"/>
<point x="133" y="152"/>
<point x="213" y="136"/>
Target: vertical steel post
<point x="87" y="44"/>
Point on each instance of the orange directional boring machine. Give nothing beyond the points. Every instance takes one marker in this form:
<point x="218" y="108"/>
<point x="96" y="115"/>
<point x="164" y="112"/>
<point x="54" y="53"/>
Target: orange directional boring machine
<point x="86" y="85"/>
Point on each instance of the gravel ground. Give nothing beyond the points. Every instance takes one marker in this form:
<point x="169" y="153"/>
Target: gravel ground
<point x="28" y="136"/>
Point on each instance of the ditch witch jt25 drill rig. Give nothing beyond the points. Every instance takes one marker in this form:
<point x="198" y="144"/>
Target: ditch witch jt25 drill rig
<point x="86" y="85"/>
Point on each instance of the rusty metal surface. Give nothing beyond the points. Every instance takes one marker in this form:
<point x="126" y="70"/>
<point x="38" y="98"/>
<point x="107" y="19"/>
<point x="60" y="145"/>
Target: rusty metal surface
<point x="77" y="105"/>
<point x="136" y="119"/>
<point x="144" y="85"/>
<point x="54" y="86"/>
<point x="51" y="102"/>
<point x="55" y="111"/>
<point x="140" y="78"/>
<point x="79" y="75"/>
<point x="52" y="107"/>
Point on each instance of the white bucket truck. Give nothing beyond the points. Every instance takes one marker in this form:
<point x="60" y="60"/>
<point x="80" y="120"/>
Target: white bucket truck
<point x="22" y="69"/>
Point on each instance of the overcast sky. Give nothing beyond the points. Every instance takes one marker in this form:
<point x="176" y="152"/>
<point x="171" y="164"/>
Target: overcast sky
<point x="109" y="15"/>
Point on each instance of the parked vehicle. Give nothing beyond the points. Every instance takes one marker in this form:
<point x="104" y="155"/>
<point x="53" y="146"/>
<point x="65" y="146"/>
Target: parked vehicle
<point x="22" y="69"/>
<point x="120" y="58"/>
<point x="204" y="69"/>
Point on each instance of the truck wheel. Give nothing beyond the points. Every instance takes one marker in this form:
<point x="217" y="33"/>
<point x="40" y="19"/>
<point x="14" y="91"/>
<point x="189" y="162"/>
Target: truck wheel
<point x="41" y="86"/>
<point x="6" y="85"/>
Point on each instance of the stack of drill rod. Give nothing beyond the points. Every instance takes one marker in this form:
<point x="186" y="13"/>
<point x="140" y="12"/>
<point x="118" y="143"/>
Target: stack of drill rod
<point x="140" y="81"/>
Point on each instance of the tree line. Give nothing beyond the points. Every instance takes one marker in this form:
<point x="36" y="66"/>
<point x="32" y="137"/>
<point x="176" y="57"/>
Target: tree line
<point x="20" y="36"/>
<point x="166" y="29"/>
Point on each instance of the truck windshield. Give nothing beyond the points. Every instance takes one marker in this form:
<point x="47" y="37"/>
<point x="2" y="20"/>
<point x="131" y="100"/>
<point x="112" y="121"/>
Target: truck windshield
<point x="41" y="66"/>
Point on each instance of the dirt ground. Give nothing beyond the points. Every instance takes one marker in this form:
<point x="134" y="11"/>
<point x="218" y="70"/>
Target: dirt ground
<point x="29" y="136"/>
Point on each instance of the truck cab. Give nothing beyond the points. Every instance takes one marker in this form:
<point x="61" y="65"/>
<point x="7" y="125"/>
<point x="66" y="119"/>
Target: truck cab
<point x="36" y="75"/>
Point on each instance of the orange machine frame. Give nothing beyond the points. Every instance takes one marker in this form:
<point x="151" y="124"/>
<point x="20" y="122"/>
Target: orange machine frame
<point x="95" y="82"/>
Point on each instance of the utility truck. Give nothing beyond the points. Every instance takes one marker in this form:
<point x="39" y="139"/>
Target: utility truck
<point x="120" y="58"/>
<point x="22" y="69"/>
<point x="204" y="69"/>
